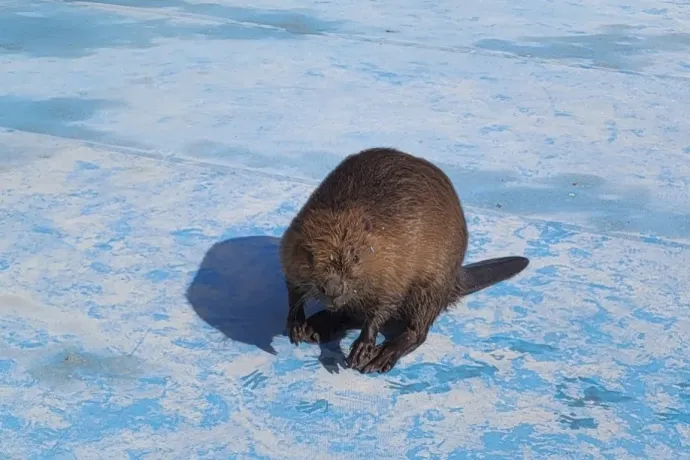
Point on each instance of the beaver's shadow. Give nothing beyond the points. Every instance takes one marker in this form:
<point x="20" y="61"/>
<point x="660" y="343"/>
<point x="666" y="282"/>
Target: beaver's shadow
<point x="239" y="290"/>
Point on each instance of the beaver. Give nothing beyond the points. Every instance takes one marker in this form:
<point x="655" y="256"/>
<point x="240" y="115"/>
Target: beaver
<point x="382" y="238"/>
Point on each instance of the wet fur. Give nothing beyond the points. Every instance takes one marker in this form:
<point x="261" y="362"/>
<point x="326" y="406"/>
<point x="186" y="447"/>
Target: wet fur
<point x="381" y="239"/>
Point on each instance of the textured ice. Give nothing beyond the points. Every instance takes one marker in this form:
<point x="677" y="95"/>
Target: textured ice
<point x="152" y="153"/>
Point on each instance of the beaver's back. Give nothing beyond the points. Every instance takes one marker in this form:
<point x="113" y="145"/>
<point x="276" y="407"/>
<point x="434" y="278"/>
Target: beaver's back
<point x="387" y="180"/>
<point x="417" y="217"/>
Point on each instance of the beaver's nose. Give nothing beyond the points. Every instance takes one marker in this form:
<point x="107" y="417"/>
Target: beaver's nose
<point x="333" y="288"/>
<point x="340" y="301"/>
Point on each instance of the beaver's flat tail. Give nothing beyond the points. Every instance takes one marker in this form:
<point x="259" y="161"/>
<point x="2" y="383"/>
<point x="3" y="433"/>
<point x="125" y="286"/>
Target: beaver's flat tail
<point x="480" y="275"/>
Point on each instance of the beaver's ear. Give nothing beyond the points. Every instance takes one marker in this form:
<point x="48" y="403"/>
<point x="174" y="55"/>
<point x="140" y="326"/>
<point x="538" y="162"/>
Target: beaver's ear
<point x="306" y="253"/>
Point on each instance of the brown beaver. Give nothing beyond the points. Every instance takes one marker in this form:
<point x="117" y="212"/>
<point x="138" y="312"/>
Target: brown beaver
<point x="381" y="239"/>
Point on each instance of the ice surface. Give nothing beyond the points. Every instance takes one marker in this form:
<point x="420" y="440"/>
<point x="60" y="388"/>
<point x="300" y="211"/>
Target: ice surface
<point x="152" y="152"/>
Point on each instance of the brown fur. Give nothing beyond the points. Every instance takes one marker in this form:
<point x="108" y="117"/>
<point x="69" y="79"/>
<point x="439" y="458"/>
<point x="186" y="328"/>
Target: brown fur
<point x="382" y="237"/>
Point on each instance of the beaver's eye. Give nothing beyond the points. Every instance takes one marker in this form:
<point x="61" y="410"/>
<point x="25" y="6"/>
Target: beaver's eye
<point x="355" y="258"/>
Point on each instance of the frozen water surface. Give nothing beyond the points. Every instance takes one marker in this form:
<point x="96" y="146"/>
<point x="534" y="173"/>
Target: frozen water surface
<point x="152" y="152"/>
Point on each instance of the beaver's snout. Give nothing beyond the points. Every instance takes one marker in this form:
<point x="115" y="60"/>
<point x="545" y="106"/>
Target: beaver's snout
<point x="333" y="288"/>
